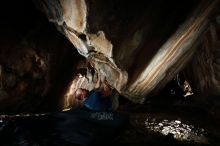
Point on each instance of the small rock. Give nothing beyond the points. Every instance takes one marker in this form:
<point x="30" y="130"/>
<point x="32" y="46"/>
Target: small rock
<point x="177" y="121"/>
<point x="160" y="124"/>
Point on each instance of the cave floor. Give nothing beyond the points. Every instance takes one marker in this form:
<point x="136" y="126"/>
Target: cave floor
<point x="169" y="121"/>
<point x="161" y="121"/>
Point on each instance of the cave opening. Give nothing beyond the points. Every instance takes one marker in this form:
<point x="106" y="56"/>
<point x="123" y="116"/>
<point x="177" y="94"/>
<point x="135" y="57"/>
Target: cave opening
<point x="46" y="54"/>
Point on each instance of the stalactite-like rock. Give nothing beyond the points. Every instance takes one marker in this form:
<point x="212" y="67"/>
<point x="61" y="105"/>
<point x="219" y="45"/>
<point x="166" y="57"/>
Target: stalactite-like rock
<point x="138" y="47"/>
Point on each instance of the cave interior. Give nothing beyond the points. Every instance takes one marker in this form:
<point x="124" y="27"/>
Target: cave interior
<point x="38" y="64"/>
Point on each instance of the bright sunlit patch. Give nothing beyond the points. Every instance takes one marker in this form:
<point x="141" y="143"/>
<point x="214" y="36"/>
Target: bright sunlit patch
<point x="179" y="130"/>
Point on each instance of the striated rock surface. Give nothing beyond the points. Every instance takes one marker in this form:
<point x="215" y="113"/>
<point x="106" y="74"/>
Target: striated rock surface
<point x="138" y="47"/>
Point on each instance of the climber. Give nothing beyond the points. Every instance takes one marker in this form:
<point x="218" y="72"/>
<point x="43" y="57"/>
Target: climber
<point x="101" y="99"/>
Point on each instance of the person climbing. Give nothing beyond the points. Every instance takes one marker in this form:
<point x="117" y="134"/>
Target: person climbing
<point x="102" y="99"/>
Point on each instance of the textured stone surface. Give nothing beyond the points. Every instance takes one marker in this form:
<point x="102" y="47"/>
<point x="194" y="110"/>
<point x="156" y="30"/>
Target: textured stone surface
<point x="36" y="61"/>
<point x="138" y="47"/>
<point x="204" y="70"/>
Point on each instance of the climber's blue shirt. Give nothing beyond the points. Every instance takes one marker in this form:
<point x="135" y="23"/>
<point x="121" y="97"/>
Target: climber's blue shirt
<point x="96" y="102"/>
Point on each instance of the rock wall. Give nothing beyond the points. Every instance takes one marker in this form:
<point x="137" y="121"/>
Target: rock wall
<point x="203" y="72"/>
<point x="138" y="47"/>
<point x="36" y="61"/>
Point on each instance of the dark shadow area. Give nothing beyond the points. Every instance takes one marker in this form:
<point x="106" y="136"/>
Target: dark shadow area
<point x="74" y="127"/>
<point x="37" y="62"/>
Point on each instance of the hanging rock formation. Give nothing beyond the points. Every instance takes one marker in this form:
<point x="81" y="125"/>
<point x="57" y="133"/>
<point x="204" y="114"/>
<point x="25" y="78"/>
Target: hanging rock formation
<point x="138" y="47"/>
